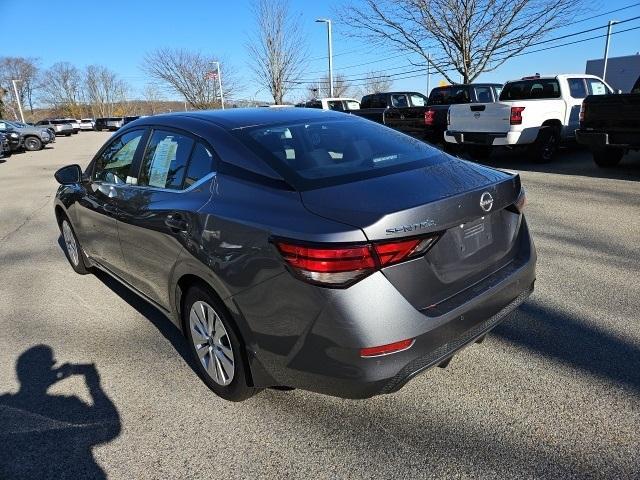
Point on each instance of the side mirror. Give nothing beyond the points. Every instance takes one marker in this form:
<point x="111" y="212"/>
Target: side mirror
<point x="68" y="175"/>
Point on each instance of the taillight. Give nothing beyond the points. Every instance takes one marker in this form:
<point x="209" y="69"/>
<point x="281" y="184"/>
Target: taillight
<point x="521" y="201"/>
<point x="583" y="110"/>
<point x="516" y="115"/>
<point x="341" y="266"/>
<point x="429" y="117"/>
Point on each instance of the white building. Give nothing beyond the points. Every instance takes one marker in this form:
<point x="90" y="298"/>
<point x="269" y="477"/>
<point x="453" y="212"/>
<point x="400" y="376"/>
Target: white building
<point x="622" y="72"/>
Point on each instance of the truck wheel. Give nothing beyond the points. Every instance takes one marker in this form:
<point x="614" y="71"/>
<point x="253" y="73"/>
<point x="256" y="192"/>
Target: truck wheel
<point x="480" y="152"/>
<point x="607" y="157"/>
<point x="32" y="144"/>
<point x="545" y="147"/>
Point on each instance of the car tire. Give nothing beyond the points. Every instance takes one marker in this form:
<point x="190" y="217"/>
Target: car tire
<point x="215" y="345"/>
<point x="32" y="144"/>
<point x="67" y="134"/>
<point x="544" y="149"/>
<point x="607" y="157"/>
<point x="74" y="252"/>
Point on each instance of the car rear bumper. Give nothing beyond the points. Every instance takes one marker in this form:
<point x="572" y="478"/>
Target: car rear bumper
<point x="594" y="139"/>
<point x="495" y="139"/>
<point x="324" y="354"/>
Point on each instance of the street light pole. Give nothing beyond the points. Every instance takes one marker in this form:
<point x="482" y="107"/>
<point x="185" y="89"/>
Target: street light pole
<point x="428" y="74"/>
<point x="606" y="48"/>
<point x="330" y="43"/>
<point x="15" y="89"/>
<point x="220" y="84"/>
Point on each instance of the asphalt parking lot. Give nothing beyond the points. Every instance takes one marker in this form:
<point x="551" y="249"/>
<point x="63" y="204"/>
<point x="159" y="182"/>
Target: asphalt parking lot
<point x="552" y="393"/>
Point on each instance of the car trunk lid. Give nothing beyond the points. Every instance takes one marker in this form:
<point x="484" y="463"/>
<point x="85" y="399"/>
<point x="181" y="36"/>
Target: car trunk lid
<point x="443" y="200"/>
<point x="480" y="117"/>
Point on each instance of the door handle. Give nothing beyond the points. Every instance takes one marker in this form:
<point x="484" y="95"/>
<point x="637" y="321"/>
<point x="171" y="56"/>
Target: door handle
<point x="176" y="222"/>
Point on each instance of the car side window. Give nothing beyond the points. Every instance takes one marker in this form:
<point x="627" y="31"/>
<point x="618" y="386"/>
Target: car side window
<point x="418" y="100"/>
<point x="577" y="88"/>
<point x="115" y="161"/>
<point x="165" y="160"/>
<point x="200" y="164"/>
<point x="399" y="101"/>
<point x="596" y="87"/>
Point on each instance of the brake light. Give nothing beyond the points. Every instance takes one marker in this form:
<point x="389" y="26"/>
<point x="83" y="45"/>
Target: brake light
<point x="341" y="266"/>
<point x="429" y="117"/>
<point x="516" y="115"/>
<point x="387" y="349"/>
<point x="583" y="110"/>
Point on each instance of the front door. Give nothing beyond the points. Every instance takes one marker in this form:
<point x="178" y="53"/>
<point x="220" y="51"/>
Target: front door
<point x="98" y="208"/>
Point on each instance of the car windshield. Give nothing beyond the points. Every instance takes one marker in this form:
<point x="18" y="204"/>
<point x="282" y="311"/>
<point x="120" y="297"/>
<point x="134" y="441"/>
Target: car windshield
<point x="531" y="89"/>
<point x="320" y="153"/>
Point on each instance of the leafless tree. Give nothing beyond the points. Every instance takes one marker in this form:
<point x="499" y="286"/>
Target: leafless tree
<point x="61" y="87"/>
<point x="192" y="75"/>
<point x="25" y="70"/>
<point x="464" y="36"/>
<point x="103" y="90"/>
<point x="278" y="47"/>
<point x="341" y="86"/>
<point x="152" y="96"/>
<point x="376" y="82"/>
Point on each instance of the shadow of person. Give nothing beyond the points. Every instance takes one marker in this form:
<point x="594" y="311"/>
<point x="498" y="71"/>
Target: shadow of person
<point x="52" y="436"/>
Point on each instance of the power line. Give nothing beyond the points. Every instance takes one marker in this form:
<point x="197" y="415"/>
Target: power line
<point x="349" y="78"/>
<point x="348" y="67"/>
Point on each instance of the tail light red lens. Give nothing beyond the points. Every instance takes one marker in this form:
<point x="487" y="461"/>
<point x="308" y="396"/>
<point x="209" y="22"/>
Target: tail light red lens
<point x="516" y="115"/>
<point x="341" y="266"/>
<point x="429" y="117"/>
<point x="583" y="110"/>
<point x="386" y="349"/>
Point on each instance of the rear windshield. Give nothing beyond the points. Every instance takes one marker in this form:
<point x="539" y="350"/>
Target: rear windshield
<point x="531" y="90"/>
<point x="449" y="95"/>
<point x="315" y="154"/>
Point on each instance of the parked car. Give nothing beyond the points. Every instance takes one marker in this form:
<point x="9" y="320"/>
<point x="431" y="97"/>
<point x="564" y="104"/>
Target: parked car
<point x="339" y="104"/>
<point x="537" y="112"/>
<point x="51" y="131"/>
<point x="32" y="138"/>
<point x="87" y="124"/>
<point x="114" y="123"/>
<point x="75" y="124"/>
<point x="610" y="125"/>
<point x="301" y="248"/>
<point x="441" y="98"/>
<point x="12" y="136"/>
<point x="5" y="147"/>
<point x="403" y="111"/>
<point x="131" y="118"/>
<point x="60" y="127"/>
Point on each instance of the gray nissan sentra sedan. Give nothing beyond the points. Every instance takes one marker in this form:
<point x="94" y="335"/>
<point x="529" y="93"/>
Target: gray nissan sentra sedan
<point x="301" y="248"/>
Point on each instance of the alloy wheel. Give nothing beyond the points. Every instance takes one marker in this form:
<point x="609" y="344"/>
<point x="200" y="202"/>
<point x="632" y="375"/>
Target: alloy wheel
<point x="211" y="342"/>
<point x="70" y="242"/>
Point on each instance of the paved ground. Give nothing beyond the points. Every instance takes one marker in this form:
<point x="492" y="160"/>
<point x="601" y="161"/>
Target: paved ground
<point x="553" y="393"/>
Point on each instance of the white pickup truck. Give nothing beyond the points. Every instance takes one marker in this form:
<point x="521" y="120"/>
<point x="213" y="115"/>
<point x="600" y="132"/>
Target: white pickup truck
<point x="537" y="112"/>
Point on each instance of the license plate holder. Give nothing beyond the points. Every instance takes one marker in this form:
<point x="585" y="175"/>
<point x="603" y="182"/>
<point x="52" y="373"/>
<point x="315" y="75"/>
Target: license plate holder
<point x="475" y="235"/>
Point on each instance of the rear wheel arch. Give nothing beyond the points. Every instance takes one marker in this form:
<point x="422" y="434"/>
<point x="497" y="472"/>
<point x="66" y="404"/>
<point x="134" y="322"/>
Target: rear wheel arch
<point x="188" y="281"/>
<point x="553" y="123"/>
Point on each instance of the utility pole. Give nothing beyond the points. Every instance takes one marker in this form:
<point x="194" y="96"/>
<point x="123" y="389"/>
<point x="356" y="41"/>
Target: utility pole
<point x="330" y="48"/>
<point x="428" y="74"/>
<point x="15" y="89"/>
<point x="606" y="49"/>
<point x="220" y="84"/>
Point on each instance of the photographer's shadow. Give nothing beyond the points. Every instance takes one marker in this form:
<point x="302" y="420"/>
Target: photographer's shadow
<point x="51" y="436"/>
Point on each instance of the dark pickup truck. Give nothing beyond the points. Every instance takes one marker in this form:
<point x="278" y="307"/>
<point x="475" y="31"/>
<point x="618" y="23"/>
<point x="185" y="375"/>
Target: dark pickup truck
<point x="426" y="118"/>
<point x="610" y="125"/>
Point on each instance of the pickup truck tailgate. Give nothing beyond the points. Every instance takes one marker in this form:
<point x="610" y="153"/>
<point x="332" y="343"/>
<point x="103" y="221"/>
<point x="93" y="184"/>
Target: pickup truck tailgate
<point x="480" y="117"/>
<point x="619" y="113"/>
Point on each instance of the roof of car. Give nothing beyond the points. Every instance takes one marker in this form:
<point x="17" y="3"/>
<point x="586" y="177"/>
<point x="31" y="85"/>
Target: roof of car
<point x="553" y="77"/>
<point x="234" y="118"/>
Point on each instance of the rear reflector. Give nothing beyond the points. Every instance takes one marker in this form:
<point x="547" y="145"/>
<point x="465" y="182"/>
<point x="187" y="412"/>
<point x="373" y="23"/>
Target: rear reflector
<point x="386" y="349"/>
<point x="341" y="266"/>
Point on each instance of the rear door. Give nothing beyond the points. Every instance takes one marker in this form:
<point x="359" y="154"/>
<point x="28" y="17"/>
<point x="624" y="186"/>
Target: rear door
<point x="158" y="212"/>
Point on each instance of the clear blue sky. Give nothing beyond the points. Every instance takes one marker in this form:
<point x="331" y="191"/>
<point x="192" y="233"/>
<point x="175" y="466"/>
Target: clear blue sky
<point x="117" y="33"/>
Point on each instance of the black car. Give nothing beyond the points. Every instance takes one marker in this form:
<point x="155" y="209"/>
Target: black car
<point x="300" y="247"/>
<point x="5" y="148"/>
